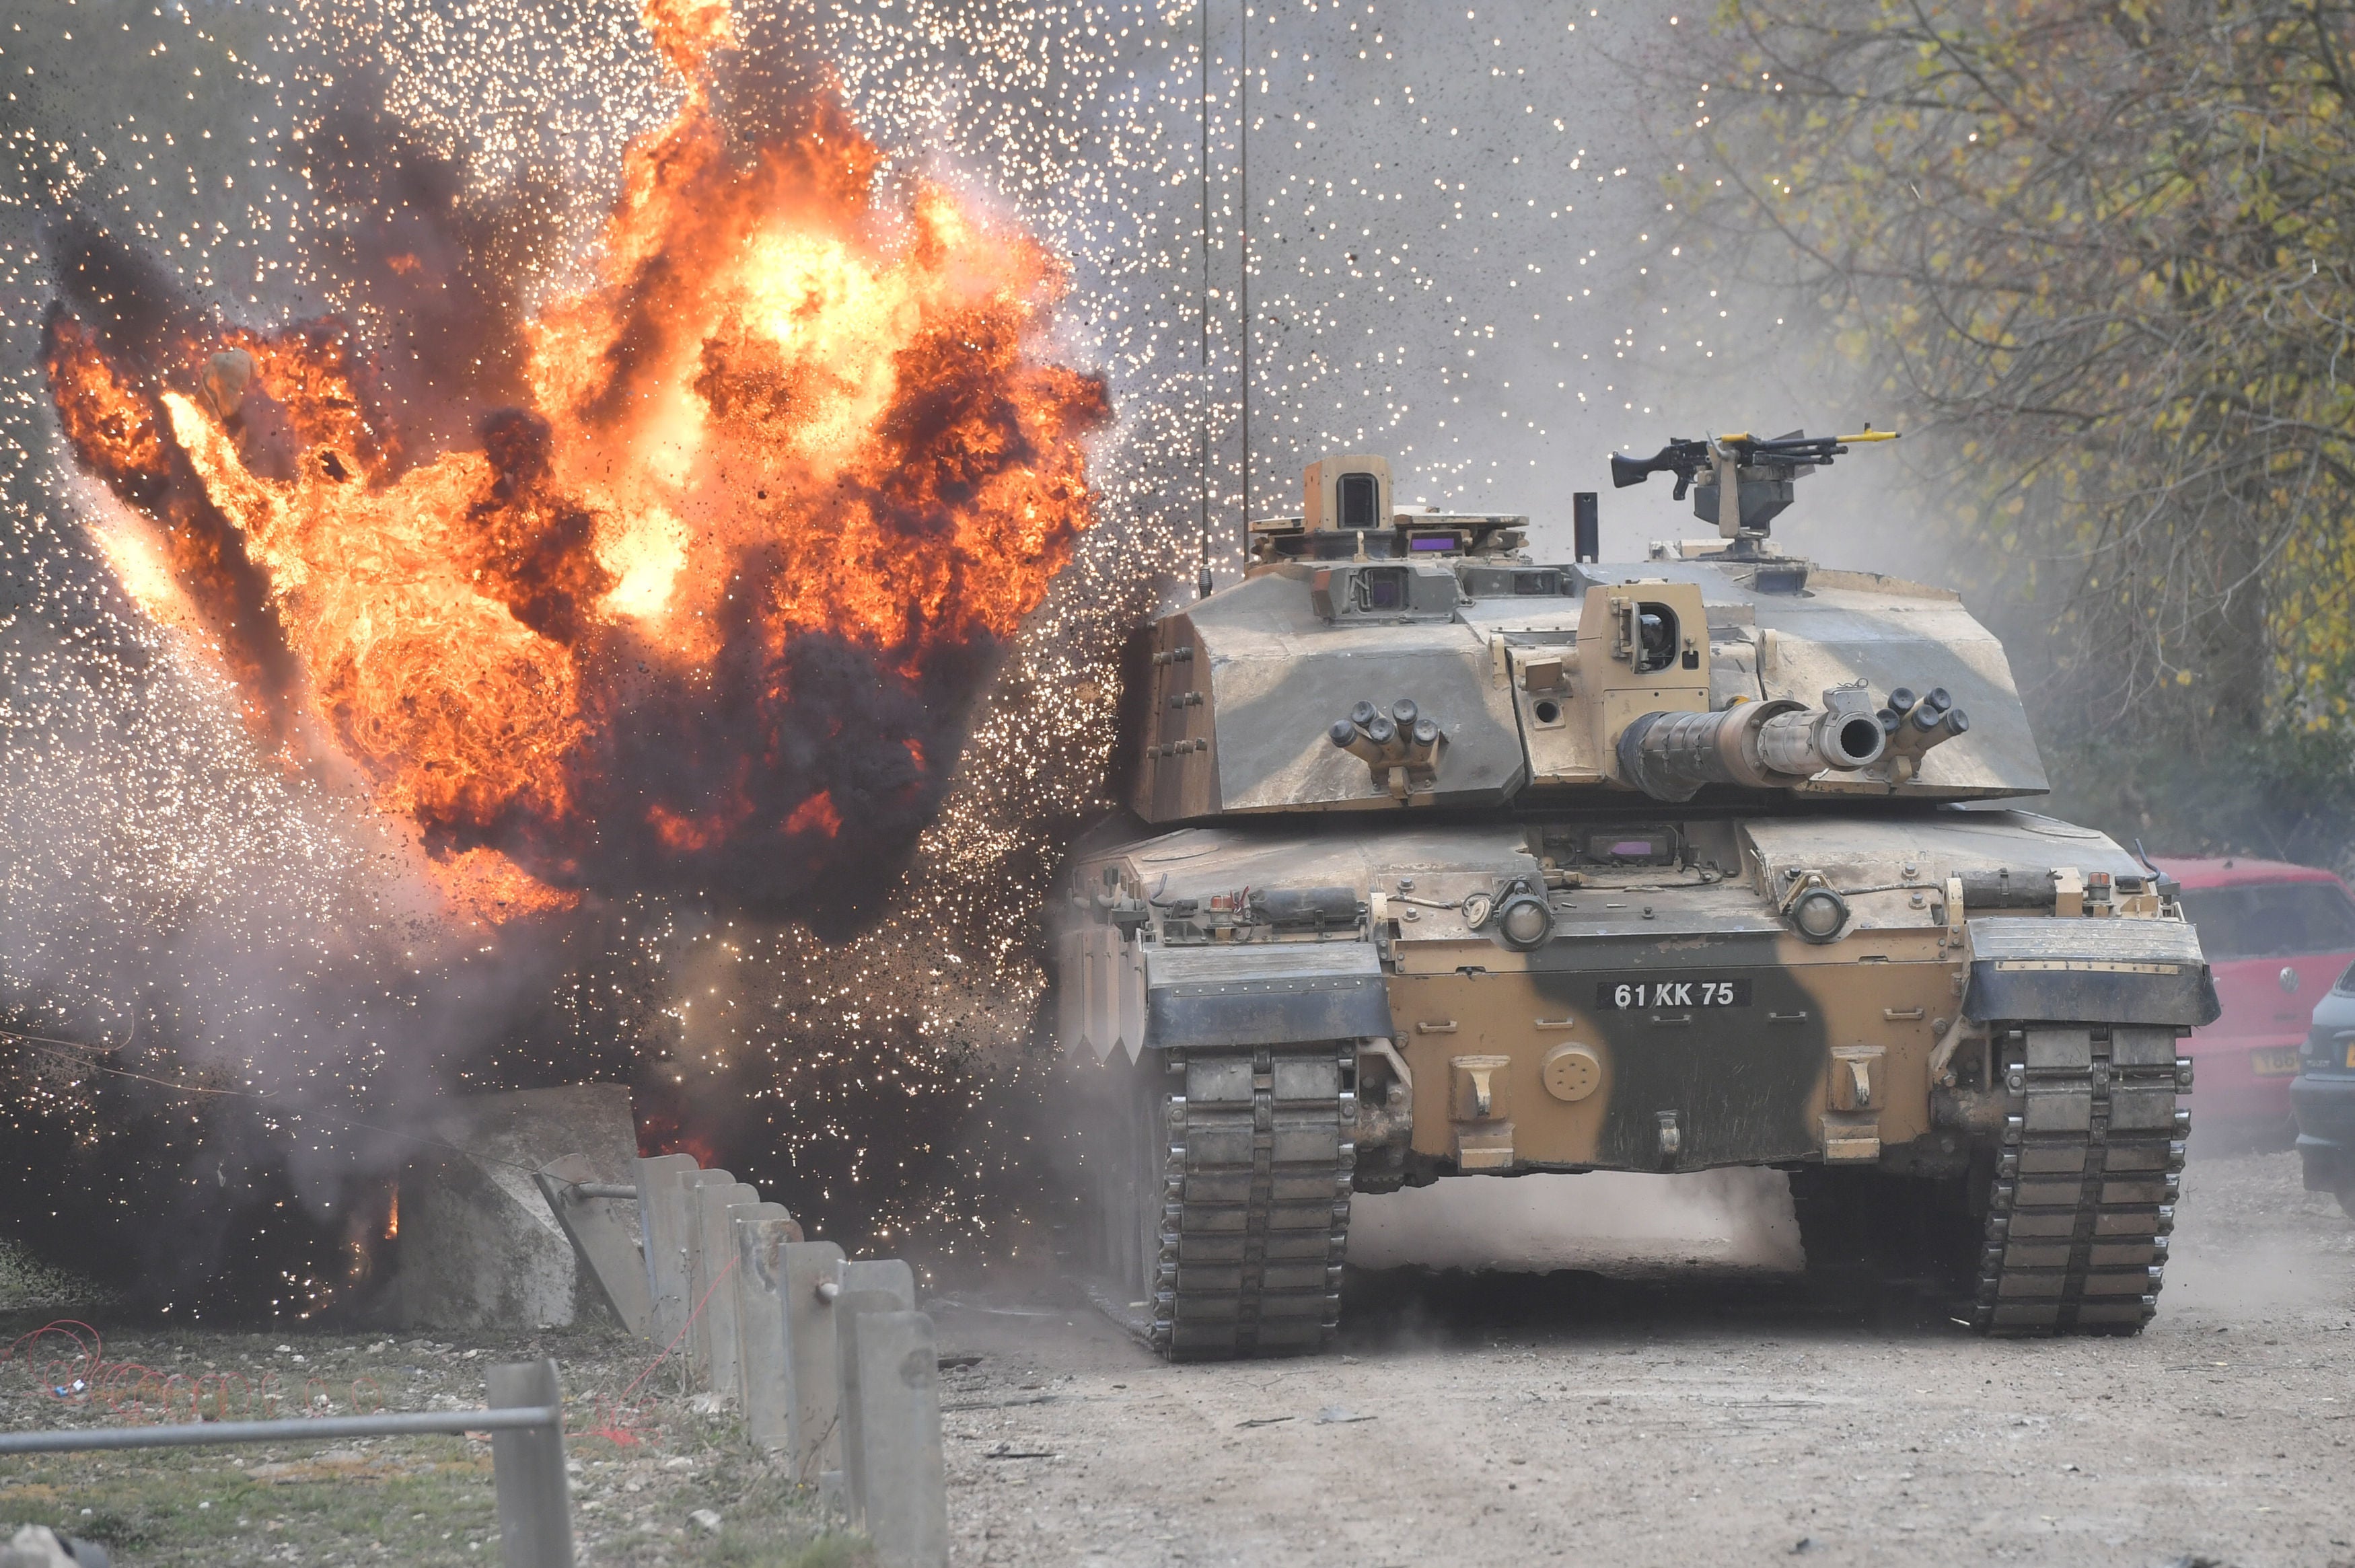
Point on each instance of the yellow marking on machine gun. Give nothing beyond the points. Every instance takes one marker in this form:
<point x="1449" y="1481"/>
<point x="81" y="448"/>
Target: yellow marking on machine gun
<point x="1870" y="435"/>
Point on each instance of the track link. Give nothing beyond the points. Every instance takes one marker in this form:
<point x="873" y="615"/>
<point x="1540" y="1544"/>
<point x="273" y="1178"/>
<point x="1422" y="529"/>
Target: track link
<point x="1258" y="1151"/>
<point x="2086" y="1177"/>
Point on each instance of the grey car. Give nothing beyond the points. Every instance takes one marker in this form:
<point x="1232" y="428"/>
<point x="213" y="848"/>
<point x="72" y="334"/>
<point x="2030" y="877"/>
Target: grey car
<point x="2322" y="1097"/>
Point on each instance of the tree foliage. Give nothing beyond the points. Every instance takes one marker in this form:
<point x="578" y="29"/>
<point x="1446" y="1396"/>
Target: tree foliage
<point x="2105" y="252"/>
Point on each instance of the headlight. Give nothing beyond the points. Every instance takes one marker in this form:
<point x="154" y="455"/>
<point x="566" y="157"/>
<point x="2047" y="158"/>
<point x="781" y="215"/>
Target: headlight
<point x="1819" y="913"/>
<point x="1525" y="921"/>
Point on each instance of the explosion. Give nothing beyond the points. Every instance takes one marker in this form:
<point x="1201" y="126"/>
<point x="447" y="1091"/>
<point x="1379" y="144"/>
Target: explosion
<point x="705" y="608"/>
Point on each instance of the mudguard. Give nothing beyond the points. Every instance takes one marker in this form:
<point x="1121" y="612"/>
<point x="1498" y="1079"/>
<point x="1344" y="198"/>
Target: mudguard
<point x="2115" y="970"/>
<point x="1271" y="994"/>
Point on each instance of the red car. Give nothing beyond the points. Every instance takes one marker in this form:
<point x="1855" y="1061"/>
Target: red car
<point x="2278" y="936"/>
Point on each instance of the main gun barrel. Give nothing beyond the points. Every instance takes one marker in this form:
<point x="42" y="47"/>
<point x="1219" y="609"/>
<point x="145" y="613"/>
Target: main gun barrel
<point x="1760" y="746"/>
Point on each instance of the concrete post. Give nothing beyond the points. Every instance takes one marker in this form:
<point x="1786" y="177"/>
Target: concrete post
<point x="600" y="1239"/>
<point x="662" y="1222"/>
<point x="699" y="1272"/>
<point x="814" y="1438"/>
<point x="850" y="1476"/>
<point x="762" y="1237"/>
<point x="880" y="1286"/>
<point x="903" y="1484"/>
<point x="716" y="1208"/>
<point x="527" y="1472"/>
<point x="890" y="1275"/>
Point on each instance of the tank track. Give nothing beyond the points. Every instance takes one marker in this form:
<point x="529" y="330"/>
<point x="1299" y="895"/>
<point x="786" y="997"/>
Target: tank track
<point x="2087" y="1173"/>
<point x="1258" y="1149"/>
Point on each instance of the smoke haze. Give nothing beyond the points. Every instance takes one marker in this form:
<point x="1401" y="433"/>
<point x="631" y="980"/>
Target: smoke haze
<point x="1460" y="256"/>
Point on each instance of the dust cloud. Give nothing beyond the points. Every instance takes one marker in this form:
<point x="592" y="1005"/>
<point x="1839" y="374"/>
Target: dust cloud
<point x="1605" y="1221"/>
<point x="2251" y="1243"/>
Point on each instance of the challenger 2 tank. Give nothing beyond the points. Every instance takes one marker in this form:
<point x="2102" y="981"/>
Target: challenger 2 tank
<point x="1445" y="861"/>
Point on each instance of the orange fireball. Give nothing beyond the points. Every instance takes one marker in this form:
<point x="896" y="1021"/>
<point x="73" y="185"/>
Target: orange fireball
<point x="705" y="612"/>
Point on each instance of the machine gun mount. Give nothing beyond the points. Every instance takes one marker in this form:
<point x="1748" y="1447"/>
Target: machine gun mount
<point x="1748" y="482"/>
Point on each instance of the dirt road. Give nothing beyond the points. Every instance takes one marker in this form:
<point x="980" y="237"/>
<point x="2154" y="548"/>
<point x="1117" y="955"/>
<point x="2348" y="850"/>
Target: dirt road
<point x="1678" y="1398"/>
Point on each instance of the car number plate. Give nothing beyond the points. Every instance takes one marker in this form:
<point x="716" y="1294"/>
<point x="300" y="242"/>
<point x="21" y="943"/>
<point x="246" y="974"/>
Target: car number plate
<point x="2350" y="1056"/>
<point x="1611" y="995"/>
<point x="2279" y="1062"/>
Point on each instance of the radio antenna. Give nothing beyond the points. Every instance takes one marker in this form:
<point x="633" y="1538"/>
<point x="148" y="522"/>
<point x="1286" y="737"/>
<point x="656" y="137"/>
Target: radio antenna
<point x="1202" y="103"/>
<point x="1242" y="228"/>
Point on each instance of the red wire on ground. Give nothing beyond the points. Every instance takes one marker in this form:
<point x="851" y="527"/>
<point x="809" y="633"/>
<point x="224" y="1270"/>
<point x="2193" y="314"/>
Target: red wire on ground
<point x="610" y="1415"/>
<point x="132" y="1390"/>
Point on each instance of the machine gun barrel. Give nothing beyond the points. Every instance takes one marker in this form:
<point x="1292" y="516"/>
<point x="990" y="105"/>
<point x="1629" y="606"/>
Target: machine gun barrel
<point x="1768" y="744"/>
<point x="1686" y="459"/>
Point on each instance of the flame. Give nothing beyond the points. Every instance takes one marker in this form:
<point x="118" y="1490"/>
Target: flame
<point x="815" y="815"/>
<point x="660" y="1134"/>
<point x="708" y="604"/>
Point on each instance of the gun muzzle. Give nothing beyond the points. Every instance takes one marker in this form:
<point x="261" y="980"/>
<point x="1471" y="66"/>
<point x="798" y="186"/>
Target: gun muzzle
<point x="1758" y="745"/>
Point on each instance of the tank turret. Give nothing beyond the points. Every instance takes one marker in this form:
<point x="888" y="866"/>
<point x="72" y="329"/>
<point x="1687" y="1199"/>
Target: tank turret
<point x="1710" y="672"/>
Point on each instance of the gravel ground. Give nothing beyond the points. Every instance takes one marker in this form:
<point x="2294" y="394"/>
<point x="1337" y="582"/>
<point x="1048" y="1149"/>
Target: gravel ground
<point x="1690" y="1403"/>
<point x="1645" y="1379"/>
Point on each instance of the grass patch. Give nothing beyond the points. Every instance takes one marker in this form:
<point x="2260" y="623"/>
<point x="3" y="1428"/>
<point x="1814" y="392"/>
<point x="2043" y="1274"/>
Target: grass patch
<point x="737" y="1549"/>
<point x="425" y="1500"/>
<point x="429" y="1500"/>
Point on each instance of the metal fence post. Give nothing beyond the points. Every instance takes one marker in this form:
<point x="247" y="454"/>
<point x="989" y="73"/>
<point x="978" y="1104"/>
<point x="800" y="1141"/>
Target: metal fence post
<point x="527" y="1469"/>
<point x="902" y="1486"/>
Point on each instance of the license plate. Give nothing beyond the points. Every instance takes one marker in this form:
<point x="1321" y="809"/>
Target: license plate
<point x="1613" y="995"/>
<point x="2280" y="1062"/>
<point x="2350" y="1056"/>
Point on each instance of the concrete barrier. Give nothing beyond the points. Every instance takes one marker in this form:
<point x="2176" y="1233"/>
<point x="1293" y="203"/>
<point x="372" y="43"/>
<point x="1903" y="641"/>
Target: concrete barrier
<point x="888" y="1274"/>
<point x="599" y="1229"/>
<point x="481" y="1247"/>
<point x="701" y="1271"/>
<point x="835" y="1372"/>
<point x="856" y="1301"/>
<point x="892" y="1455"/>
<point x="717" y="1206"/>
<point x="662" y="1219"/>
<point x="815" y="1443"/>
<point x="765" y="1366"/>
